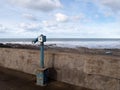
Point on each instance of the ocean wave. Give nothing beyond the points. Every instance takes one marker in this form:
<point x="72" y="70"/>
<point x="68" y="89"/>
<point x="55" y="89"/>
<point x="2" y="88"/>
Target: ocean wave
<point x="73" y="44"/>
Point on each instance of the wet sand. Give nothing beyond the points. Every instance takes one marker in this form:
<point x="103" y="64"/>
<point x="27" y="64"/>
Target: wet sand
<point x="15" y="80"/>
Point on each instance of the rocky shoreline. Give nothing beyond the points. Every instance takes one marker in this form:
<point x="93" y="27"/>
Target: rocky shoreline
<point x="53" y="48"/>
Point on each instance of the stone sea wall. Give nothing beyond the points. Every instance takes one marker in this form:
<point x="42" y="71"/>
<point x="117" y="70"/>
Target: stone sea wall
<point x="98" y="72"/>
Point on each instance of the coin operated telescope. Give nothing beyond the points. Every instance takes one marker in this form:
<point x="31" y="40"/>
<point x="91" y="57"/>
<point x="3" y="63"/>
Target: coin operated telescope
<point x="41" y="73"/>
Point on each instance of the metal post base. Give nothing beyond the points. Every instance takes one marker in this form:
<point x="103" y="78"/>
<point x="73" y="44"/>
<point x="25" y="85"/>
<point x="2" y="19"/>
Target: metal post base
<point x="41" y="76"/>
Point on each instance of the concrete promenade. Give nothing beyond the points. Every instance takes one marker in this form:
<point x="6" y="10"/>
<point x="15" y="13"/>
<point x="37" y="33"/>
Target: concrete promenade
<point x="14" y="80"/>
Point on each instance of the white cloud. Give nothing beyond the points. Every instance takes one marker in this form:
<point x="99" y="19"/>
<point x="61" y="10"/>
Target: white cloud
<point x="93" y="30"/>
<point x="107" y="14"/>
<point x="49" y="23"/>
<point x="2" y="28"/>
<point x="29" y="16"/>
<point x="114" y="5"/>
<point x="80" y="16"/>
<point x="43" y="5"/>
<point x="29" y="26"/>
<point x="61" y="17"/>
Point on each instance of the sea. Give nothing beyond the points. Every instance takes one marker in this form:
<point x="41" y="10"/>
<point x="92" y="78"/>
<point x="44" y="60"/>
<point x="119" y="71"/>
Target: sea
<point x="103" y="43"/>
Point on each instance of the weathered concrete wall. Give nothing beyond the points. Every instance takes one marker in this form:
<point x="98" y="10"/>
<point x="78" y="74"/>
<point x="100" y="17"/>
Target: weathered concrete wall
<point x="107" y="66"/>
<point x="99" y="72"/>
<point x="19" y="59"/>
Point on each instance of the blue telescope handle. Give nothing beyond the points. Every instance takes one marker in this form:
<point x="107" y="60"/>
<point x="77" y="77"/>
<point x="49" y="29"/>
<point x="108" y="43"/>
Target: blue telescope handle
<point x="34" y="41"/>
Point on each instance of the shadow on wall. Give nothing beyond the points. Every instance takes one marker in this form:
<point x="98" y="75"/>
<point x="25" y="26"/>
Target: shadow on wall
<point x="52" y="72"/>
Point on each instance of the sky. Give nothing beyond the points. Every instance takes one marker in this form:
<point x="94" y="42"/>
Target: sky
<point x="60" y="18"/>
